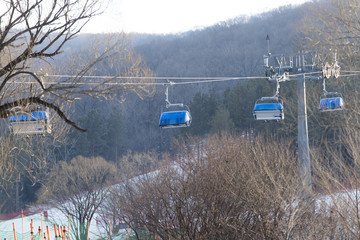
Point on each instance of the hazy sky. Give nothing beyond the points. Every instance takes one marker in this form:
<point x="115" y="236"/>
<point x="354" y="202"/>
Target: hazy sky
<point x="172" y="16"/>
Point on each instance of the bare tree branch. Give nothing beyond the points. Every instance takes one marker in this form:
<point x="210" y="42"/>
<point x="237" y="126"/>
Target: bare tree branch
<point x="36" y="31"/>
<point x="4" y="109"/>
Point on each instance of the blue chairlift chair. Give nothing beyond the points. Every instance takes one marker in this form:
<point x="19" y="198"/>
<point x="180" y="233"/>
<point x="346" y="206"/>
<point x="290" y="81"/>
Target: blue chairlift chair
<point x="36" y="122"/>
<point x="269" y="108"/>
<point x="328" y="104"/>
<point x="174" y="119"/>
<point x="330" y="101"/>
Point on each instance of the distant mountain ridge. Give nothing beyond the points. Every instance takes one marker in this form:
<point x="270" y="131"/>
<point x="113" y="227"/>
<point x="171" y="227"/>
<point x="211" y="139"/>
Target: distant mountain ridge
<point x="232" y="48"/>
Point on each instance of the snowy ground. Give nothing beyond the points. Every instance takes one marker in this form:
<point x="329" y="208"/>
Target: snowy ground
<point x="22" y="226"/>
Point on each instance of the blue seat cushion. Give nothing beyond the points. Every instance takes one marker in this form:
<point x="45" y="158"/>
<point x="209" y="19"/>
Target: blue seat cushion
<point x="268" y="106"/>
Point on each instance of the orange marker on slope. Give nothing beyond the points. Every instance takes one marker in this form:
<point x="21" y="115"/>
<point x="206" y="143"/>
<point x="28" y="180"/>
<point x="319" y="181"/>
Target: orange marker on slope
<point x="14" y="231"/>
<point x="48" y="232"/>
<point x="64" y="232"/>
<point x="31" y="229"/>
<point x="59" y="232"/>
<point x="55" y="232"/>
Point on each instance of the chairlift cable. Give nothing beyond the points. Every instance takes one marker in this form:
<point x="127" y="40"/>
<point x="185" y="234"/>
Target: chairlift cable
<point x="196" y="80"/>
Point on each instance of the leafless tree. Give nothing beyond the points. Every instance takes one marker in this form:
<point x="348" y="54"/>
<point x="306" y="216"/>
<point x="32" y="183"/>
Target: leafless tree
<point x="129" y="166"/>
<point x="333" y="25"/>
<point x="78" y="188"/>
<point x="35" y="32"/>
<point x="133" y="163"/>
<point x="337" y="178"/>
<point x="222" y="187"/>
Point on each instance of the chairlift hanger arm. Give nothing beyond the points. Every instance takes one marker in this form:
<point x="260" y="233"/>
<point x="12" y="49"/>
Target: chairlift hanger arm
<point x="277" y="88"/>
<point x="278" y="80"/>
<point x="168" y="103"/>
<point x="324" y="88"/>
<point x="167" y="95"/>
<point x="326" y="92"/>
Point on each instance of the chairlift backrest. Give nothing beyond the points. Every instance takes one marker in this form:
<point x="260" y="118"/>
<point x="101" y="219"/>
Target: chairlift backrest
<point x="331" y="104"/>
<point x="36" y="122"/>
<point x="331" y="101"/>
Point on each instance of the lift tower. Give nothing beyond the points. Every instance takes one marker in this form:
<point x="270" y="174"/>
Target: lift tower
<point x="299" y="67"/>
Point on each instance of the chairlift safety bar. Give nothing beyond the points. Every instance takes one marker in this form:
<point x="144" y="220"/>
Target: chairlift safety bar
<point x="269" y="98"/>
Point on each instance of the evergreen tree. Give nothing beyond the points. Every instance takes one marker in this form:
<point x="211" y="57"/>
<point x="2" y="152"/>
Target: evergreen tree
<point x="241" y="99"/>
<point x="203" y="108"/>
<point x="92" y="142"/>
<point x="222" y="121"/>
<point x="115" y="134"/>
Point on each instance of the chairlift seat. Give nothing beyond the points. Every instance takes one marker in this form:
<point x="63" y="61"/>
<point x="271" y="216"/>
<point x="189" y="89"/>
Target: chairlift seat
<point x="331" y="104"/>
<point x="37" y="122"/>
<point x="268" y="111"/>
<point x="175" y="119"/>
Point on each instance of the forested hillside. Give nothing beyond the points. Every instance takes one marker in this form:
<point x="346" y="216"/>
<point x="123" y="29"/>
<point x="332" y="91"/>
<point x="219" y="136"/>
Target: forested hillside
<point x="227" y="176"/>
<point x="229" y="49"/>
<point x="234" y="48"/>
